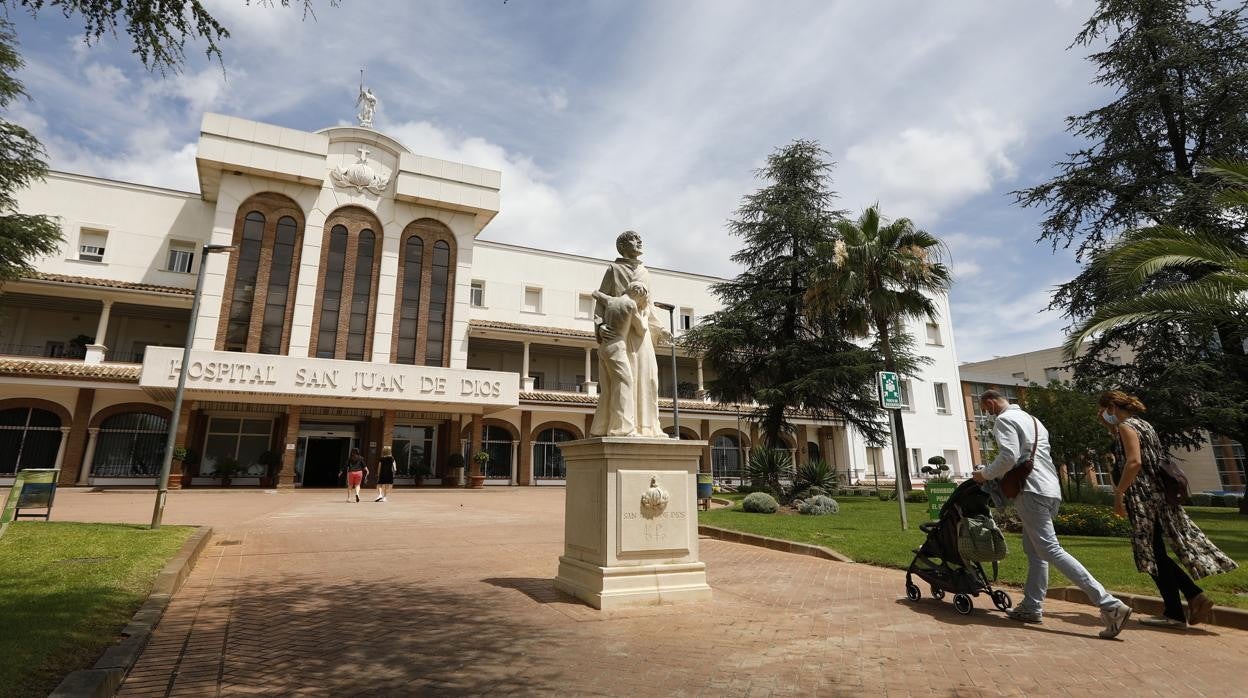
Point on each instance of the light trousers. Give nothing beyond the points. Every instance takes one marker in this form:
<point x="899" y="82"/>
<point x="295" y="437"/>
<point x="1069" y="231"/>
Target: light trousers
<point x="1042" y="548"/>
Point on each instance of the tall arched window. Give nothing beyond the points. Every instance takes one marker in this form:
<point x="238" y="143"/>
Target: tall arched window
<point x="259" y="302"/>
<point x="547" y="458"/>
<point x="437" y="303"/>
<point x="342" y="323"/>
<point x="496" y="441"/>
<point x="279" y="286"/>
<point x="331" y="292"/>
<point x="423" y="306"/>
<point x="29" y="438"/>
<point x="408" y="313"/>
<point x="245" y="273"/>
<point x="361" y="295"/>
<point x="130" y="445"/>
<point x="726" y="456"/>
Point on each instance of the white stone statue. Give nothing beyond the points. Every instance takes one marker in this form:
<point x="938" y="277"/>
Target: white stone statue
<point x="367" y="103"/>
<point x="627" y="326"/>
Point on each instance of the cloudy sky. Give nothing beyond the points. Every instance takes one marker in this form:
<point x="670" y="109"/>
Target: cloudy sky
<point x="605" y="115"/>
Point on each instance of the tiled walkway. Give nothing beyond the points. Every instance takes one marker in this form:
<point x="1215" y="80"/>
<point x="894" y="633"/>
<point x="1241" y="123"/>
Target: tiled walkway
<point x="449" y="592"/>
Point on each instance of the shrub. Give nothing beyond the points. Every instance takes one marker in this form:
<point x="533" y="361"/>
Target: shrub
<point x="1089" y="495"/>
<point x="1201" y="499"/>
<point x="1232" y="500"/>
<point x="818" y="506"/>
<point x="812" y="475"/>
<point x="1090" y="520"/>
<point x="767" y="466"/>
<point x="916" y="496"/>
<point x="887" y="495"/>
<point x="760" y="503"/>
<point x="1217" y="500"/>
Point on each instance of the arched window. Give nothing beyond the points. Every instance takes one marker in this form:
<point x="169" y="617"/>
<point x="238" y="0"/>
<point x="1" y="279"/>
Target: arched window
<point x="280" y="279"/>
<point x="343" y="320"/>
<point x="409" y="299"/>
<point x="547" y="458"/>
<point x="812" y="451"/>
<point x="259" y="301"/>
<point x="727" y="459"/>
<point x="131" y="444"/>
<point x="424" y="303"/>
<point x="245" y="273"/>
<point x="496" y="441"/>
<point x="437" y="303"/>
<point x="331" y="292"/>
<point x="29" y="438"/>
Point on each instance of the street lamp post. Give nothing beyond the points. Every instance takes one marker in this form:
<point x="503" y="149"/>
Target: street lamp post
<point x="671" y="322"/>
<point x="162" y="487"/>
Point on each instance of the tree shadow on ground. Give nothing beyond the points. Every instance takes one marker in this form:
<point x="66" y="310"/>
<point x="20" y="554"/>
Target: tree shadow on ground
<point x="539" y="589"/>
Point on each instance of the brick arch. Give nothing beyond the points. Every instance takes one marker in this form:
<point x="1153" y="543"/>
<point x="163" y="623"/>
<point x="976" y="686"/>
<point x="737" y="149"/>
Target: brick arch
<point x="686" y="434"/>
<point x="39" y="404"/>
<point x="355" y="219"/>
<point x="493" y="422"/>
<point x="273" y="207"/>
<point x="744" y="438"/>
<point x="430" y="232"/>
<point x="123" y="408"/>
<point x="575" y="430"/>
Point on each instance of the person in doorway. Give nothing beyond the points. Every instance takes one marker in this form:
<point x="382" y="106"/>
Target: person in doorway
<point x="356" y="471"/>
<point x="1020" y="435"/>
<point x="385" y="474"/>
<point x="1140" y="496"/>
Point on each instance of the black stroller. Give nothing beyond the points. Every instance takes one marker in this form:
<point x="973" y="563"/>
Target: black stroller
<point x="938" y="562"/>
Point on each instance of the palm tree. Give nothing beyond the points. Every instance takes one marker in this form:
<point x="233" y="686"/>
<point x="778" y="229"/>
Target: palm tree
<point x="1140" y="266"/>
<point x="877" y="275"/>
<point x="1166" y="274"/>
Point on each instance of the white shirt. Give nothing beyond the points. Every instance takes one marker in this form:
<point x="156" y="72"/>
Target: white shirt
<point x="1015" y="431"/>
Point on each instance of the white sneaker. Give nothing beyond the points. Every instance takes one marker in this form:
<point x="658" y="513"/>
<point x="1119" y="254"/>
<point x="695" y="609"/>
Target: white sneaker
<point x="1115" y="619"/>
<point x="382" y="499"/>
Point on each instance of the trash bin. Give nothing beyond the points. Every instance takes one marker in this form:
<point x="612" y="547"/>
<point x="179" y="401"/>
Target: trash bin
<point x="705" y="485"/>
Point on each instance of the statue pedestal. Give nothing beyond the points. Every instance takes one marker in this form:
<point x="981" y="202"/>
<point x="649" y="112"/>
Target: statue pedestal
<point x="618" y="551"/>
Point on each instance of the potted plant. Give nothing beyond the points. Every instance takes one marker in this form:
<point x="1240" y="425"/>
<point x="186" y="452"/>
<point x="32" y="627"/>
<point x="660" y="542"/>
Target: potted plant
<point x="939" y="485"/>
<point x="419" y="473"/>
<point x="454" y="470"/>
<point x="183" y="458"/>
<point x="226" y="470"/>
<point x="480" y="460"/>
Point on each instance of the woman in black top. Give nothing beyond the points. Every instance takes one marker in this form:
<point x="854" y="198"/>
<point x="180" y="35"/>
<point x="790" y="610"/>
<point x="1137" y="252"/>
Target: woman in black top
<point x="385" y="474"/>
<point x="356" y="472"/>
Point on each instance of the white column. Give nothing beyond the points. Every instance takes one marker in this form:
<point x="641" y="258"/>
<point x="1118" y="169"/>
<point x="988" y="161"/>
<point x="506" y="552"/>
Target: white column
<point x="95" y="351"/>
<point x="515" y="462"/>
<point x="89" y="456"/>
<point x="60" y="450"/>
<point x="701" y="394"/>
<point x="590" y="387"/>
<point x="526" y="381"/>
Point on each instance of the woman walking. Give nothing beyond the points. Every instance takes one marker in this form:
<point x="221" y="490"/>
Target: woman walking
<point x="1140" y="496"/>
<point x="356" y="472"/>
<point x="385" y="474"/>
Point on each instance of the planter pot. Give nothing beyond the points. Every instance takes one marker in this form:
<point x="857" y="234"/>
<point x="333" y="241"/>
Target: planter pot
<point x="175" y="481"/>
<point x="476" y="482"/>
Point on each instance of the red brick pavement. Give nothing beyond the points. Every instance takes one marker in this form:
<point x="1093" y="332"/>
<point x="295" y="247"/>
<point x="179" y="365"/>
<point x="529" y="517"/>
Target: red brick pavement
<point x="449" y="592"/>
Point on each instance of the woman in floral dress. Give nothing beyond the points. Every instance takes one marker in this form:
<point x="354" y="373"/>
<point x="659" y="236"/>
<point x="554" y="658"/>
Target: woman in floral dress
<point x="1140" y="496"/>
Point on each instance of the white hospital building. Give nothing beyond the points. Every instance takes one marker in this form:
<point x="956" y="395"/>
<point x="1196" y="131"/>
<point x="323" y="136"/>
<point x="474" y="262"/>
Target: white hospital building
<point x="359" y="307"/>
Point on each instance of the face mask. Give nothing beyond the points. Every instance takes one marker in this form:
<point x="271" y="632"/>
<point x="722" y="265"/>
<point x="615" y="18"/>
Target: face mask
<point x="1109" y="418"/>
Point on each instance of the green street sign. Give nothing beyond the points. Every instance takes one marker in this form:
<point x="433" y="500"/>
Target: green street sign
<point x="890" y="390"/>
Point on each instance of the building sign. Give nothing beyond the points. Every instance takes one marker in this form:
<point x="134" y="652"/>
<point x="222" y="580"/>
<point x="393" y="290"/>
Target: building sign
<point x="32" y="489"/>
<point x="890" y="390"/>
<point x="263" y="374"/>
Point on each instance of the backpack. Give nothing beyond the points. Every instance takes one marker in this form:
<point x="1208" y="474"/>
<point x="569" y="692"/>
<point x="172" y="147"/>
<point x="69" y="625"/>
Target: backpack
<point x="979" y="539"/>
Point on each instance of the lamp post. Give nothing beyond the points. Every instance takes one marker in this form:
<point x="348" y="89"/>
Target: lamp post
<point x="162" y="487"/>
<point x="671" y="322"/>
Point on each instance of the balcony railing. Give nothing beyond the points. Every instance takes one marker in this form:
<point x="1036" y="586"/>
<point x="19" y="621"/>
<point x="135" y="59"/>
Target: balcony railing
<point x="72" y="352"/>
<point x="124" y="357"/>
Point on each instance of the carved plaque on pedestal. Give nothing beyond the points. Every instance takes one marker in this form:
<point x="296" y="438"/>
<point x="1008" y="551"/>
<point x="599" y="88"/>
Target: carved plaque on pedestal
<point x="654" y="513"/>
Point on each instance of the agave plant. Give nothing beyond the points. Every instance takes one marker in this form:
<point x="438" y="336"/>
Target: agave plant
<point x="813" y="474"/>
<point x="768" y="466"/>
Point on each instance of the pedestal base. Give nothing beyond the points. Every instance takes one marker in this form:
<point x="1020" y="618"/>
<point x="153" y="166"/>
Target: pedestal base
<point x="630" y="522"/>
<point x="608" y="588"/>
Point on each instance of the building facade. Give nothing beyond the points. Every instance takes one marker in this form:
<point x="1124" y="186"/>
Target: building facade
<point x="356" y="308"/>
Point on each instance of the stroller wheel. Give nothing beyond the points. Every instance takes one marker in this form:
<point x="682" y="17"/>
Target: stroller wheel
<point x="962" y="603"/>
<point x="1002" y="600"/>
<point x="938" y="593"/>
<point x="912" y="592"/>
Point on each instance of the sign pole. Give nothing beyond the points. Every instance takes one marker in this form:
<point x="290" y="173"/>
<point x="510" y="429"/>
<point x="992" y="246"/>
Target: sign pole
<point x="889" y="384"/>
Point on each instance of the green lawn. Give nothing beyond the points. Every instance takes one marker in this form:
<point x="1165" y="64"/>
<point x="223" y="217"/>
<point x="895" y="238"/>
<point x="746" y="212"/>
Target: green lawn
<point x="869" y="530"/>
<point x="66" y="591"/>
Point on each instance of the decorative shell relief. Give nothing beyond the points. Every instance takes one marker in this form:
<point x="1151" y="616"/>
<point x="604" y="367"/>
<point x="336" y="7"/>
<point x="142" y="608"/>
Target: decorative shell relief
<point x="359" y="175"/>
<point x="655" y="498"/>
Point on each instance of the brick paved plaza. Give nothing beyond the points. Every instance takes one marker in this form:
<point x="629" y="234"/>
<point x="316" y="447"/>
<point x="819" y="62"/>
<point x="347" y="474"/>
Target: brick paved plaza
<point x="449" y="592"/>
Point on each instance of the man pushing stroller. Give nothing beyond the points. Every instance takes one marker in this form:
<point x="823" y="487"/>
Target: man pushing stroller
<point x="1022" y="438"/>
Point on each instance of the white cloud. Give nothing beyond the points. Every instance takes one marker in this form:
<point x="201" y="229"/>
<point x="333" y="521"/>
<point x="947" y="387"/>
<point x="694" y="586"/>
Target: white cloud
<point x="1006" y="320"/>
